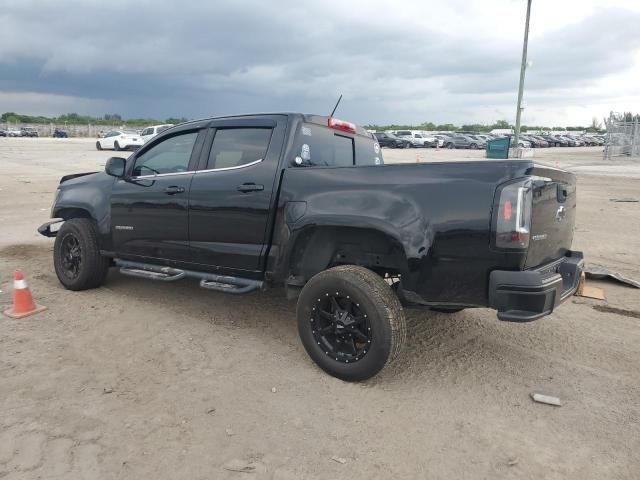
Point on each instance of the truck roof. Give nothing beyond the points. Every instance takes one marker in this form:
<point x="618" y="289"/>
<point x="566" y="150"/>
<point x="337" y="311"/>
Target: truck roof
<point x="320" y="120"/>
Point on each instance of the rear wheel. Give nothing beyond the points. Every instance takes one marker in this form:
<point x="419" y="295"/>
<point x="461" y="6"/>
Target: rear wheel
<point x="449" y="145"/>
<point x="350" y="322"/>
<point x="407" y="145"/>
<point x="474" y="146"/>
<point x="76" y="255"/>
<point x="98" y="146"/>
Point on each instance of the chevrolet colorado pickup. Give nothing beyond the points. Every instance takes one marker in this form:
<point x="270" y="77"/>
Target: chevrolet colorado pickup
<point x="306" y="203"/>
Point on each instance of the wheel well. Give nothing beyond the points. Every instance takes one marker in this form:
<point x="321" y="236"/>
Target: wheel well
<point x="69" y="213"/>
<point x="319" y="248"/>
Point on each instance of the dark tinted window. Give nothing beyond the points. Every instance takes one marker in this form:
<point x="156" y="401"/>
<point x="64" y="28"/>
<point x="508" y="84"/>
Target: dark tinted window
<point x="169" y="156"/>
<point x="234" y="147"/>
<point x="323" y="147"/>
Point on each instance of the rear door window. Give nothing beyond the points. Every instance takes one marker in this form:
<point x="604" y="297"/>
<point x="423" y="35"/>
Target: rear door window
<point x="235" y="147"/>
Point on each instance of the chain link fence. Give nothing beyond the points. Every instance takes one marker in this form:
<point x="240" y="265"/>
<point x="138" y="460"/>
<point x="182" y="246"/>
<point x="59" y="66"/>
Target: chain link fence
<point x="623" y="136"/>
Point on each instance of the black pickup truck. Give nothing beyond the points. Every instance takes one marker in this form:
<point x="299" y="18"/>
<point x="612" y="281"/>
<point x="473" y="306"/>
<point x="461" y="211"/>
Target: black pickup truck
<point x="306" y="202"/>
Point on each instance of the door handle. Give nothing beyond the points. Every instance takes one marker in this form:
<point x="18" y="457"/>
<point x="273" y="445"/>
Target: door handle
<point x="250" y="187"/>
<point x="173" y="189"/>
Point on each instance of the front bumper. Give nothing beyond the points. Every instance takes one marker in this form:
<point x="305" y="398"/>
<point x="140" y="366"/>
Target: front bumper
<point x="45" y="228"/>
<point x="524" y="296"/>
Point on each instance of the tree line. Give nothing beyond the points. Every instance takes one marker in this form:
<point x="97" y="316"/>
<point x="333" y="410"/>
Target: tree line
<point x="116" y="119"/>
<point x="76" y="119"/>
<point x="480" y="127"/>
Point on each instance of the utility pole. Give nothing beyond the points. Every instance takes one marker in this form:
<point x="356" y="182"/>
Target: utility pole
<point x="523" y="68"/>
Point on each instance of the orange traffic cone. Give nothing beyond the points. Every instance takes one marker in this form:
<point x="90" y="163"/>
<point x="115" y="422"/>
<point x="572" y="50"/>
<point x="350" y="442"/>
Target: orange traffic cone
<point x="23" y="304"/>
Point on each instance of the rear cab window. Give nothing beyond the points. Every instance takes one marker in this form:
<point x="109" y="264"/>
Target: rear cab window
<point x="320" y="146"/>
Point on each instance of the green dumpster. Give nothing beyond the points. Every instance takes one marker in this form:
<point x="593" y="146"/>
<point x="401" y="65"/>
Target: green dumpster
<point x="498" y="147"/>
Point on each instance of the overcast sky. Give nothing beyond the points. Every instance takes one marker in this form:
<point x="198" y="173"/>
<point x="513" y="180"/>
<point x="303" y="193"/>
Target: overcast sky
<point x="405" y="62"/>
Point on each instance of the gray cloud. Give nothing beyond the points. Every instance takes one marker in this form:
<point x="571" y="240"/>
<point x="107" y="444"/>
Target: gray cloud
<point x="159" y="58"/>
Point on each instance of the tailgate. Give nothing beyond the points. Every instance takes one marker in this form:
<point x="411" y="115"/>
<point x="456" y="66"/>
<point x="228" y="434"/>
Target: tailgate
<point x="553" y="215"/>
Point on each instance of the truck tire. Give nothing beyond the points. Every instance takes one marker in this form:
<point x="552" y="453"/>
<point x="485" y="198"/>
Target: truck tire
<point x="350" y="322"/>
<point x="76" y="255"/>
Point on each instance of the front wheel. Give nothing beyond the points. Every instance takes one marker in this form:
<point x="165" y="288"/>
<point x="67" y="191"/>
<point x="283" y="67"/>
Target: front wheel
<point x="350" y="322"/>
<point x="76" y="255"/>
<point x="449" y="145"/>
<point x="98" y="146"/>
<point x="116" y="147"/>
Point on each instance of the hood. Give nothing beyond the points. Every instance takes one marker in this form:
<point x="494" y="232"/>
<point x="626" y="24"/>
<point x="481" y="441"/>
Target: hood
<point x="67" y="178"/>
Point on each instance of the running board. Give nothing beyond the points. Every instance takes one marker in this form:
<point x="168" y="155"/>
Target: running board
<point x="210" y="281"/>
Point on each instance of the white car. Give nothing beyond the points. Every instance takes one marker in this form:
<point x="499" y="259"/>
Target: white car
<point x="120" y="140"/>
<point x="417" y="138"/>
<point x="150" y="132"/>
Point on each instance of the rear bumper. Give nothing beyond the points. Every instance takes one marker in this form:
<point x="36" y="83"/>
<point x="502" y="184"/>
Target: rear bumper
<point x="528" y="295"/>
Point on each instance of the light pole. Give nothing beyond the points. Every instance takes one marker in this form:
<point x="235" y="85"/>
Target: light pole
<point x="523" y="68"/>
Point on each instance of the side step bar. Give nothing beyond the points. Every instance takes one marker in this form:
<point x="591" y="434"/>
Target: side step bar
<point x="210" y="281"/>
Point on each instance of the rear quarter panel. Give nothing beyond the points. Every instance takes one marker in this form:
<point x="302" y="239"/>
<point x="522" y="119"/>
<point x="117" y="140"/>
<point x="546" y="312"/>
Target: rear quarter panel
<point x="439" y="212"/>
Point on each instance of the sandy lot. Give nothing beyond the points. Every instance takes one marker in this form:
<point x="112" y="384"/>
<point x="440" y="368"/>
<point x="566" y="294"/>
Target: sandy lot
<point x="145" y="380"/>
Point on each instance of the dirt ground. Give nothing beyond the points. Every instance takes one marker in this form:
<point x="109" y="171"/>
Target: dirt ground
<point x="145" y="380"/>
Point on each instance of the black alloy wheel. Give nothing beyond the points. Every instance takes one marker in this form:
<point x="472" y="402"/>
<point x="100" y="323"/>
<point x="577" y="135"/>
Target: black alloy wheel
<point x="341" y="328"/>
<point x="71" y="256"/>
<point x="350" y="322"/>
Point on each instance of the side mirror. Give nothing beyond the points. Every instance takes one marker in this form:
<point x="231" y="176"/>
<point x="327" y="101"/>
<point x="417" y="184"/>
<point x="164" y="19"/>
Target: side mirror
<point x="115" y="167"/>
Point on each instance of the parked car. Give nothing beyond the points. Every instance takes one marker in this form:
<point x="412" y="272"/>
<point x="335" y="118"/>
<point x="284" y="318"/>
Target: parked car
<point x="521" y="141"/>
<point x="590" y="141"/>
<point x="433" y="140"/>
<point x="554" y="141"/>
<point x="417" y="139"/>
<point x="59" y="133"/>
<point x="3" y="133"/>
<point x="120" y="140"/>
<point x="574" y="141"/>
<point x="14" y="132"/>
<point x="150" y="132"/>
<point x="477" y="141"/>
<point x="461" y="141"/>
<point x="28" y="132"/>
<point x="535" y="142"/>
<point x="543" y="141"/>
<point x="303" y="202"/>
<point x="390" y="140"/>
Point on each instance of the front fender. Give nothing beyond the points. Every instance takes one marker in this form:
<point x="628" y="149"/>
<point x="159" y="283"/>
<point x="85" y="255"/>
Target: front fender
<point x="89" y="193"/>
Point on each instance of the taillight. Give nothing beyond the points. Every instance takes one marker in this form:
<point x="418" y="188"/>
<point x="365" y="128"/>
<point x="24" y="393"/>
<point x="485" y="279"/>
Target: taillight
<point x="341" y="125"/>
<point x="513" y="217"/>
<point x="507" y="210"/>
